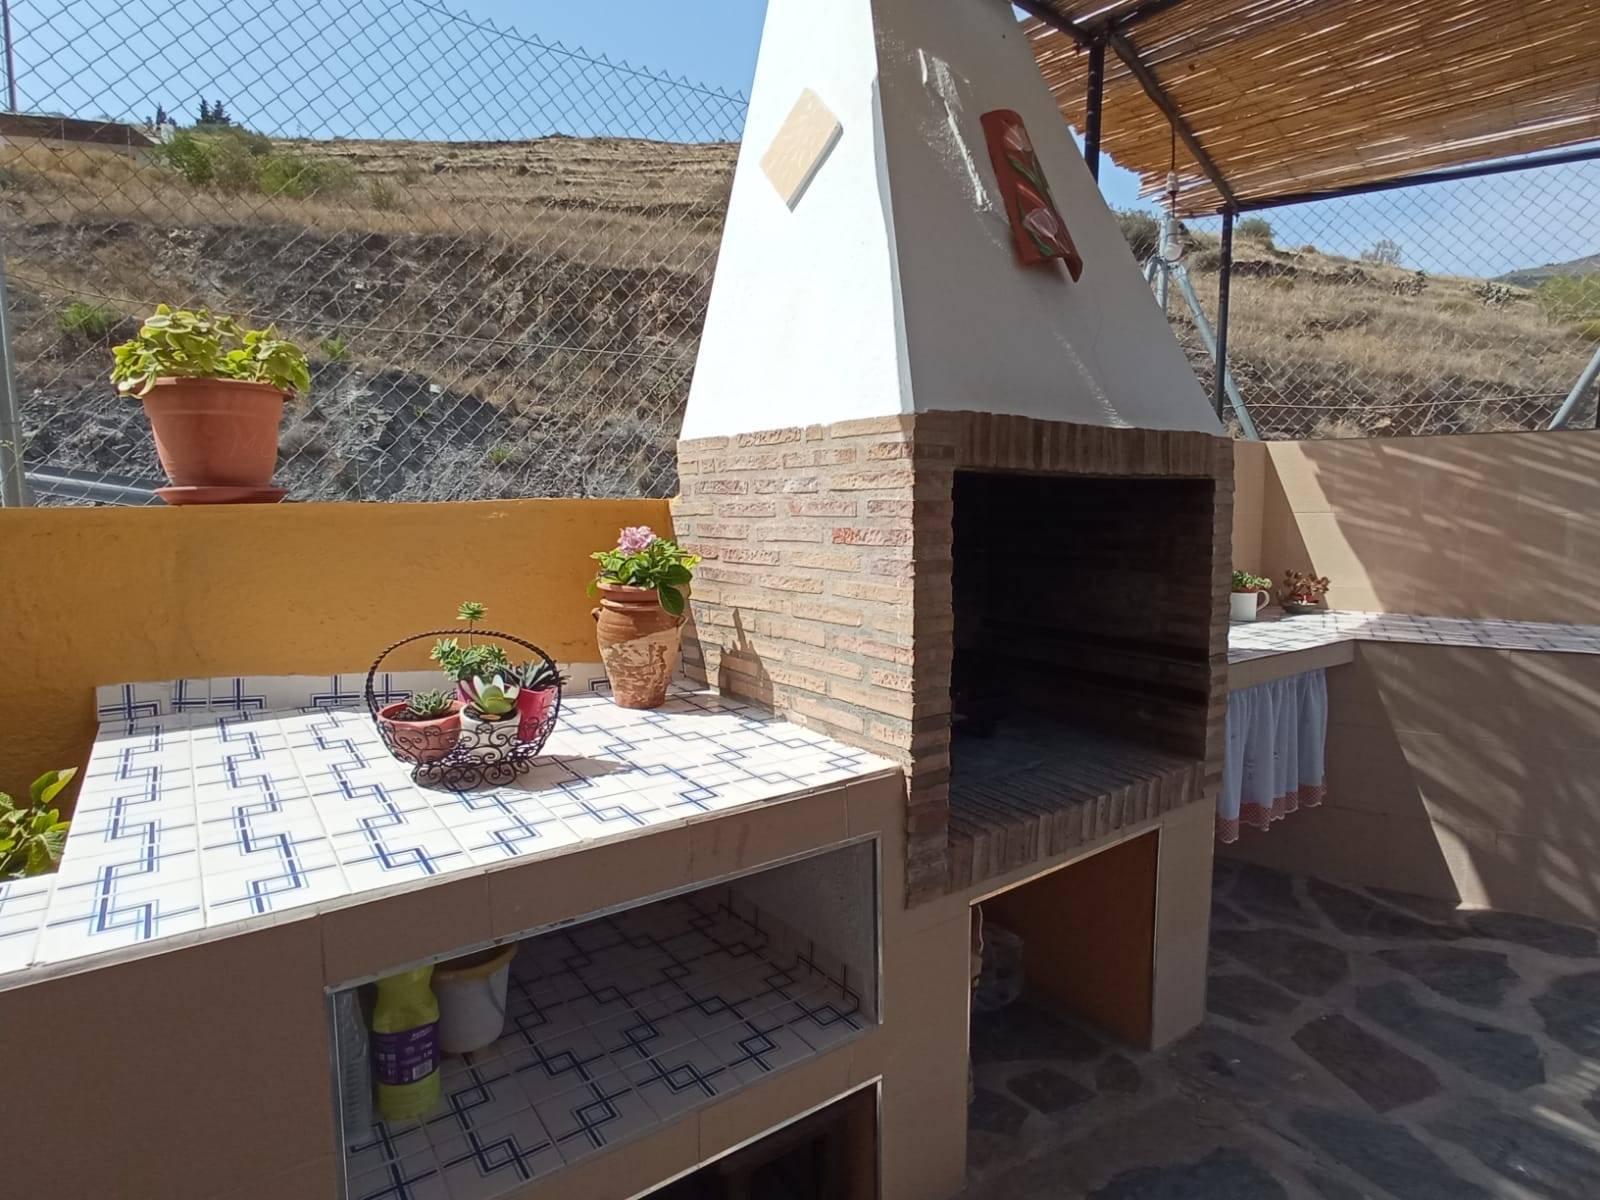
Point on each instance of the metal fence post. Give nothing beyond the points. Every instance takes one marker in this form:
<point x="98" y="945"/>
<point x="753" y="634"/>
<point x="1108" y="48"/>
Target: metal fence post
<point x="1224" y="273"/>
<point x="13" y="485"/>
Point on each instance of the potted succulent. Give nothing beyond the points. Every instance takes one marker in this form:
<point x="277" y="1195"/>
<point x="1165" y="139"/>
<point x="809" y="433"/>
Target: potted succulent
<point x="537" y="682"/>
<point x="464" y="661"/>
<point x="489" y="720"/>
<point x="641" y="584"/>
<point x="1302" y="592"/>
<point x="1251" y="593"/>
<point x="214" y="393"/>
<point x="424" y="728"/>
<point x="33" y="835"/>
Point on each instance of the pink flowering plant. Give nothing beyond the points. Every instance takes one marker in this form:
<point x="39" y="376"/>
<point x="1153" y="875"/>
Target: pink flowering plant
<point x="644" y="560"/>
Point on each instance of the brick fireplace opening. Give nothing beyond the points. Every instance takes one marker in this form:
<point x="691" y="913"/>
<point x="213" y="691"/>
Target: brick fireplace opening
<point x="852" y="570"/>
<point x="1082" y="610"/>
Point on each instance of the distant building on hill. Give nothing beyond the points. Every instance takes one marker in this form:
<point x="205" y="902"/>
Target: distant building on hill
<point x="22" y="130"/>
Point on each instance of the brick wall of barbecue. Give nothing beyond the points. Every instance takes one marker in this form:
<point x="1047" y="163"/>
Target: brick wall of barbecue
<point x="804" y="597"/>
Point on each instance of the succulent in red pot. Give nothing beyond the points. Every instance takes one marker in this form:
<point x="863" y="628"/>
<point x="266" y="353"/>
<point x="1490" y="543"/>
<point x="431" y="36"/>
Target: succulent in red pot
<point x="424" y="728"/>
<point x="539" y="683"/>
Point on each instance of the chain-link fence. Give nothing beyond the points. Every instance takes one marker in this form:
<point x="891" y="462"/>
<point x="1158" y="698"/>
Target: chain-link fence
<point x="497" y="252"/>
<point x="1459" y="307"/>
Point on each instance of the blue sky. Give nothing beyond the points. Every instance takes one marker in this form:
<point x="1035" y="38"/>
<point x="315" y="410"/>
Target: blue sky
<point x="407" y="68"/>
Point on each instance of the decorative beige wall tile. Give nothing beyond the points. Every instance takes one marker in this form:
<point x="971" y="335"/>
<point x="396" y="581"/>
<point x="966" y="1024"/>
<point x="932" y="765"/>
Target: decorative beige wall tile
<point x="802" y="145"/>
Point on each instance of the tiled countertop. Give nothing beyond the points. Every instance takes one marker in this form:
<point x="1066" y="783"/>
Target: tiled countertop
<point x="197" y="819"/>
<point x="1284" y="635"/>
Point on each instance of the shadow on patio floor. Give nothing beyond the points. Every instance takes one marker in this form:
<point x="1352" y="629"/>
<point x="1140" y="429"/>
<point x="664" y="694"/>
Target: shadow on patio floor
<point x="1357" y="1044"/>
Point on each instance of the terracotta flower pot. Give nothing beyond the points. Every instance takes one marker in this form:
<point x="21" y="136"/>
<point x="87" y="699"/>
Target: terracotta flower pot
<point x="532" y="709"/>
<point x="421" y="741"/>
<point x="216" y="432"/>
<point x="638" y="644"/>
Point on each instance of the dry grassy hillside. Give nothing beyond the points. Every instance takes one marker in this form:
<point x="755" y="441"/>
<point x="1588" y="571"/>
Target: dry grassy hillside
<point x="520" y="318"/>
<point x="1334" y="347"/>
<point x="485" y="319"/>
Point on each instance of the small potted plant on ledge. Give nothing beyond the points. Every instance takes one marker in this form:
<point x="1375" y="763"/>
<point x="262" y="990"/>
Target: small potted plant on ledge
<point x="424" y="728"/>
<point x="489" y="719"/>
<point x="539" y="685"/>
<point x="33" y="835"/>
<point x="641" y="584"/>
<point x="1251" y="593"/>
<point x="214" y="393"/>
<point x="466" y="661"/>
<point x="1302" y="592"/>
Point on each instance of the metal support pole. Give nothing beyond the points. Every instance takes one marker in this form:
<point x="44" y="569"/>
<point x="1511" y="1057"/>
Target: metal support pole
<point x="1586" y="380"/>
<point x="1224" y="276"/>
<point x="11" y="62"/>
<point x="13" y="487"/>
<point x="1092" y="105"/>
<point x="1202" y="327"/>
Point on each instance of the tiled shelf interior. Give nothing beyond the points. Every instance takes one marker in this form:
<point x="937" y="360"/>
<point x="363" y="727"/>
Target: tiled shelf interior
<point x="613" y="1028"/>
<point x="1258" y="639"/>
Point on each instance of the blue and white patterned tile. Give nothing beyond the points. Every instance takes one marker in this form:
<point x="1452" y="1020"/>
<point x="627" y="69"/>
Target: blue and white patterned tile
<point x="618" y="816"/>
<point x="394" y="847"/>
<point x="112" y="922"/>
<point x="560" y="1062"/>
<point x="132" y="701"/>
<point x="349" y="807"/>
<point x="22" y="912"/>
<point x="412" y="1177"/>
<point x="278" y="858"/>
<point x="595" y="1116"/>
<point x="474" y="1094"/>
<point x="525" y="830"/>
<point x="384" y="1143"/>
<point x="497" y="1157"/>
<point x="680" y="1078"/>
<point x="304" y="877"/>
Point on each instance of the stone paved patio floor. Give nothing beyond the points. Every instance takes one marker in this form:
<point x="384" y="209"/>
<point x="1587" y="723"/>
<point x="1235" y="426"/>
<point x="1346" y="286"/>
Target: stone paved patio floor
<point x="1357" y="1044"/>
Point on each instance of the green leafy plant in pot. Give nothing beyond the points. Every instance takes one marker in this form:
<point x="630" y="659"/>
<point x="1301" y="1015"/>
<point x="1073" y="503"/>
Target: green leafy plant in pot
<point x="214" y="392"/>
<point x="32" y="834"/>
<point x="642" y="584"/>
<point x="464" y="660"/>
<point x="1250" y="594"/>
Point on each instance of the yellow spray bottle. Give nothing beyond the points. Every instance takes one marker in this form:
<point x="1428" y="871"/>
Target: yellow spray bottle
<point x="405" y="1045"/>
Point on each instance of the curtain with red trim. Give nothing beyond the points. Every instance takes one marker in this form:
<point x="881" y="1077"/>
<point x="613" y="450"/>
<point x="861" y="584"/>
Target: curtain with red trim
<point x="1277" y="734"/>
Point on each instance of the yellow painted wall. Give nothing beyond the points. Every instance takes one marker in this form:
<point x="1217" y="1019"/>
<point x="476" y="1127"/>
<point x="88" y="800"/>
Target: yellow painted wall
<point x="92" y="596"/>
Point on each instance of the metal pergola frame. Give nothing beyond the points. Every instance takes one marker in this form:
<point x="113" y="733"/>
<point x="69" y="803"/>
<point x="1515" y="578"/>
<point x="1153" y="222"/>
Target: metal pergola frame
<point x="1112" y="30"/>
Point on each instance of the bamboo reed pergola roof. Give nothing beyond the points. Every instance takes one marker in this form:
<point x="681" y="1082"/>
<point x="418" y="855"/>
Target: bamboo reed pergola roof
<point x="1285" y="97"/>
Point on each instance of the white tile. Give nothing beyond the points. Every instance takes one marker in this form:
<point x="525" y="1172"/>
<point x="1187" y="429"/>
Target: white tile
<point x="116" y="924"/>
<point x="497" y="1157"/>
<point x="291" y="883"/>
<point x="597" y="1115"/>
<point x="414" y="1177"/>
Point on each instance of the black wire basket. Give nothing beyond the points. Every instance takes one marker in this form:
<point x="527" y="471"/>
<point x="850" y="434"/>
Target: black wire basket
<point x="494" y="754"/>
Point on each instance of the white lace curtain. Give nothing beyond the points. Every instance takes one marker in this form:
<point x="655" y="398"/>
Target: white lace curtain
<point x="1277" y="732"/>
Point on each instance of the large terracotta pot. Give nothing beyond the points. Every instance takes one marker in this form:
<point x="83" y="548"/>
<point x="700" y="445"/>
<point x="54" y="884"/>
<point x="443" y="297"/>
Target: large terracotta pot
<point x="638" y="644"/>
<point x="216" y="432"/>
<point x="421" y="741"/>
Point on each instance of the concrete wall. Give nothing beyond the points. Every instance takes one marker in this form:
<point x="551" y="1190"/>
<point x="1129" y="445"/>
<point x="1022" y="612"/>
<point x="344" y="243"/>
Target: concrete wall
<point x="93" y="596"/>
<point x="1466" y="774"/>
<point x="1489" y="525"/>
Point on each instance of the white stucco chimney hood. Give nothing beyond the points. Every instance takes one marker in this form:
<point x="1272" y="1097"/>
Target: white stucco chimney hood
<point x="891" y="285"/>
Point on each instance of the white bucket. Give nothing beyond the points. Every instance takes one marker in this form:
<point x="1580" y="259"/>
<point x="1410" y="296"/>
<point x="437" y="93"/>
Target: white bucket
<point x="472" y="998"/>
